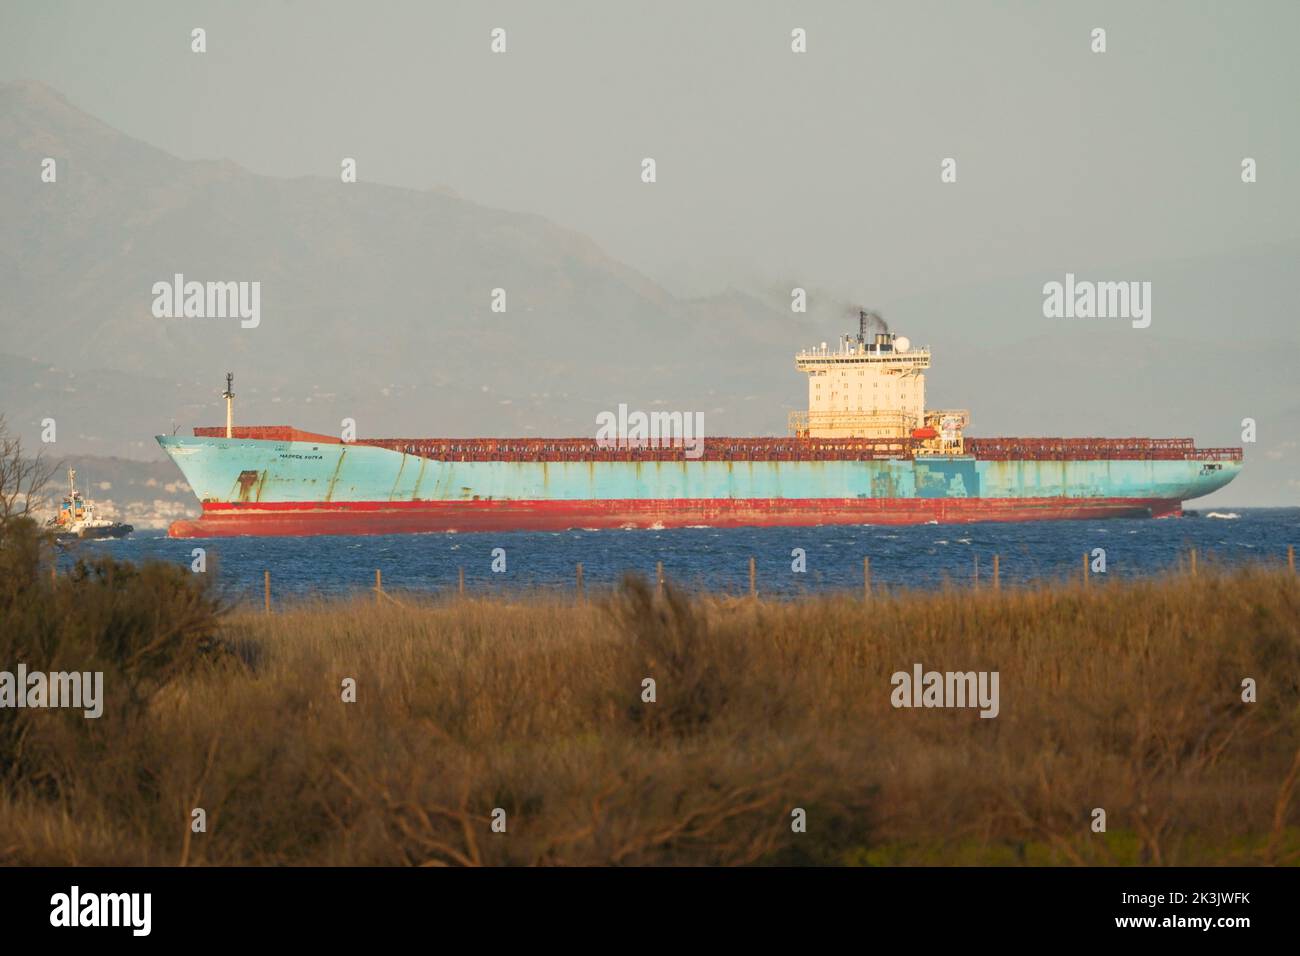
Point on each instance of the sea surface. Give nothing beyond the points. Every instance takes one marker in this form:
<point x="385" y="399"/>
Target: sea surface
<point x="918" y="556"/>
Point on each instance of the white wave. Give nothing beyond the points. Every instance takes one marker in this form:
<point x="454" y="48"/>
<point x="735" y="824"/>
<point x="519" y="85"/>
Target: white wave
<point x="1227" y="516"/>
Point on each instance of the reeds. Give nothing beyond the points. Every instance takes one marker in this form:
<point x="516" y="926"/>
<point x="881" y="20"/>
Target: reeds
<point x="531" y="713"/>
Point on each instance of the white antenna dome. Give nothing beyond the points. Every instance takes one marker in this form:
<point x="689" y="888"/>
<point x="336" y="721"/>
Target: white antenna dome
<point x="902" y="343"/>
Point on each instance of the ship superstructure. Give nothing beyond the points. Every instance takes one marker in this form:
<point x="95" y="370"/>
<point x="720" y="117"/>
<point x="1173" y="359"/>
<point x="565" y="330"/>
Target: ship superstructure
<point x="873" y="386"/>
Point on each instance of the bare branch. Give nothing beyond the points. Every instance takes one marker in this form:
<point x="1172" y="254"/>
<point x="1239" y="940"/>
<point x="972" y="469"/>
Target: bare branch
<point x="22" y="480"/>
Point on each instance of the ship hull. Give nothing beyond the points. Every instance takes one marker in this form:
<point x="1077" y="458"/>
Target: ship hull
<point x="254" y="486"/>
<point x="95" y="534"/>
<point x="362" y="518"/>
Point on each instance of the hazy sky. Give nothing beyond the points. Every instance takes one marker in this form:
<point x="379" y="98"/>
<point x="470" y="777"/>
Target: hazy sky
<point x="822" y="166"/>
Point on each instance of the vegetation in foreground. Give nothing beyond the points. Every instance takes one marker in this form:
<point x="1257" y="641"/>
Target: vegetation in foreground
<point x="1126" y="698"/>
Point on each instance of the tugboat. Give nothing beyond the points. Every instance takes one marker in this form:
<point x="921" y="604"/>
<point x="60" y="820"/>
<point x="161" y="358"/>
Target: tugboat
<point x="76" y="518"/>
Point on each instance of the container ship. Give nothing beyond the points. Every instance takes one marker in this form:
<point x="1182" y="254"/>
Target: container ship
<point x="867" y="451"/>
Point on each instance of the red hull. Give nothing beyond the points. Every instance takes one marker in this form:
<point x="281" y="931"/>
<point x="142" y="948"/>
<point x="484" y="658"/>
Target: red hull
<point x="383" y="517"/>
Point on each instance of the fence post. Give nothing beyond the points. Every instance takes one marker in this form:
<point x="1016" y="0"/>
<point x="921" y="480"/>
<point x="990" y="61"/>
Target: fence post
<point x="460" y="587"/>
<point x="1085" y="569"/>
<point x="579" y="580"/>
<point x="1193" y="562"/>
<point x="997" y="572"/>
<point x="659" y="576"/>
<point x="266" y="589"/>
<point x="753" y="579"/>
<point x="866" y="578"/>
<point x="379" y="585"/>
<point x="1290" y="557"/>
<point x="977" y="571"/>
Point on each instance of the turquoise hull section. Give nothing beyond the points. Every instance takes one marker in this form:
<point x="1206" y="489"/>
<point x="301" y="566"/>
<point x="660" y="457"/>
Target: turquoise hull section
<point x="245" y="471"/>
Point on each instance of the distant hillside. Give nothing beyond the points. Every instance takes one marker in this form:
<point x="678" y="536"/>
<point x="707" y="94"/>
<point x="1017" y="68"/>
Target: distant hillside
<point x="375" y="302"/>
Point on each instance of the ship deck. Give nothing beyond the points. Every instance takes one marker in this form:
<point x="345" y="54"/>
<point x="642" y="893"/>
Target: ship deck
<point x="752" y="449"/>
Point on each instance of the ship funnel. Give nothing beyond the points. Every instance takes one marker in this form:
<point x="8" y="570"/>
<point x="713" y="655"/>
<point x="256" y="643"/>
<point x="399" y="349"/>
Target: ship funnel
<point x="865" y="321"/>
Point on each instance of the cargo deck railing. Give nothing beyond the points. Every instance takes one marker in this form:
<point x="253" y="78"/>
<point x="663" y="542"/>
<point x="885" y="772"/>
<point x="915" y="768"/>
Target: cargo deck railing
<point x="753" y="449"/>
<point x="1096" y="449"/>
<point x="710" y="449"/>
<point x="803" y="449"/>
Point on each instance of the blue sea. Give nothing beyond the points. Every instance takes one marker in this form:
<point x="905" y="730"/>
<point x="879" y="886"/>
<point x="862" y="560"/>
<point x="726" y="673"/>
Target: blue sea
<point x="919" y="556"/>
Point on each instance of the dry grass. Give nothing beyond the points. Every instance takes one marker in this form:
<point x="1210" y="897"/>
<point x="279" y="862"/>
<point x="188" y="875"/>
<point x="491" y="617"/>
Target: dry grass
<point x="1126" y="698"/>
